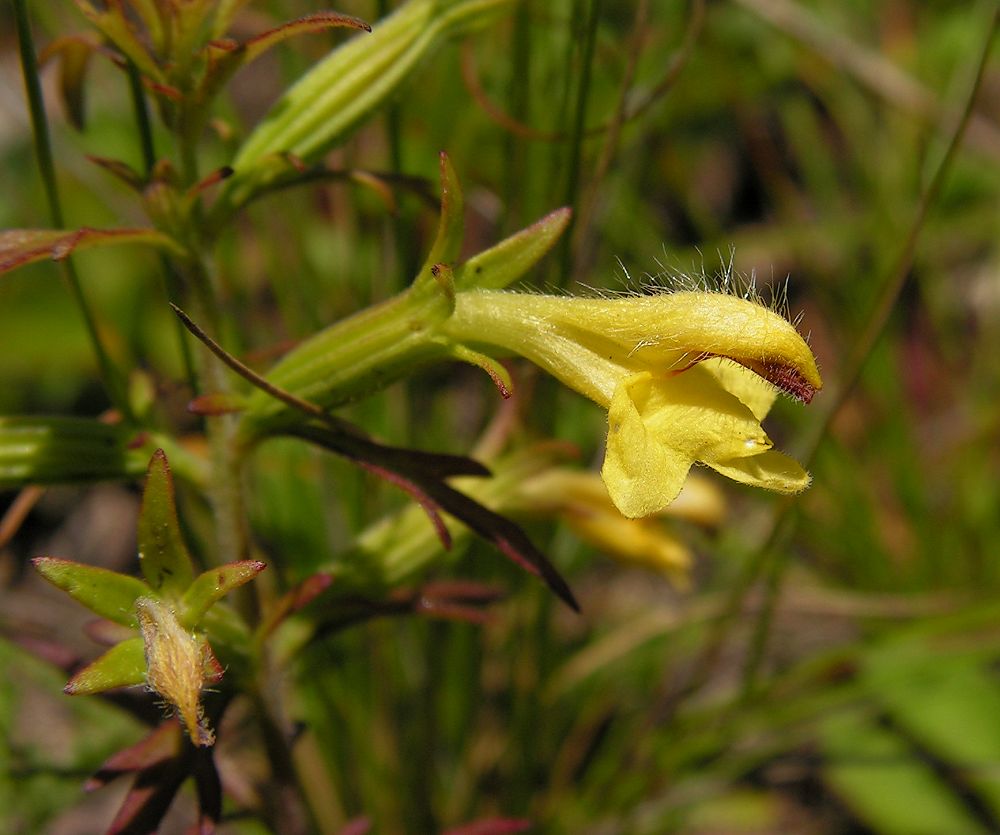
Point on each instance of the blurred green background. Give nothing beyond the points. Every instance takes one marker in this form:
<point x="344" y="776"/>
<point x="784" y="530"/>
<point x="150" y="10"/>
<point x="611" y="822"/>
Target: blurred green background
<point x="842" y="675"/>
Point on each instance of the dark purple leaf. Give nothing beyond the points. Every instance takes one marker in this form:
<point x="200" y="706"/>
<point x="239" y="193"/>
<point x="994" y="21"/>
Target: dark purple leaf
<point x="155" y="748"/>
<point x="492" y="826"/>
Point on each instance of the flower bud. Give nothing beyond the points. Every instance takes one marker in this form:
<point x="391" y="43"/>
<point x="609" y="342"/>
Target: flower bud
<point x="178" y="662"/>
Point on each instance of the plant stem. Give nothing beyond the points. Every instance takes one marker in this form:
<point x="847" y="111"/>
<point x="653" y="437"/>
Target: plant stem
<point x="141" y="109"/>
<point x="43" y="153"/>
<point x="578" y="134"/>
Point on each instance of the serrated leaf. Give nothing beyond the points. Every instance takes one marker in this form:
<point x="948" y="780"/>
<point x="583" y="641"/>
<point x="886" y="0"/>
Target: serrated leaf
<point x="163" y="556"/>
<point x="124" y="665"/>
<point x="19" y="247"/>
<point x="106" y="593"/>
<point x="510" y="259"/>
<point x="213" y="585"/>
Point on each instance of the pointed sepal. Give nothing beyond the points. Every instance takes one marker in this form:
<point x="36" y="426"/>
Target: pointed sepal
<point x="124" y="665"/>
<point x="106" y="593"/>
<point x="451" y="226"/>
<point x="214" y="584"/>
<point x="505" y="263"/>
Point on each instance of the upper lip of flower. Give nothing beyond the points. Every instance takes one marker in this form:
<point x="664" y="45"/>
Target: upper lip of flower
<point x="592" y="343"/>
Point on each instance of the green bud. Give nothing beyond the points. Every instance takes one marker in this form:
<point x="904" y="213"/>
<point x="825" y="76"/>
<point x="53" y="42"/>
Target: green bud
<point x="355" y="79"/>
<point x="64" y="450"/>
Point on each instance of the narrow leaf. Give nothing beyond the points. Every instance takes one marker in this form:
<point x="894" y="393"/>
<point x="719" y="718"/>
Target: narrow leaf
<point x="508" y="537"/>
<point x="155" y="748"/>
<point x="293" y="601"/>
<point x="883" y="780"/>
<point x="209" y="787"/>
<point x="498" y="374"/>
<point x="19" y="247"/>
<point x="212" y="586"/>
<point x="122" y="170"/>
<point x="115" y="26"/>
<point x="424" y="473"/>
<point x="316" y="22"/>
<point x="163" y="556"/>
<point x="492" y="826"/>
<point x="73" y="52"/>
<point x="124" y="665"/>
<point x="107" y="593"/>
<point x="146" y="804"/>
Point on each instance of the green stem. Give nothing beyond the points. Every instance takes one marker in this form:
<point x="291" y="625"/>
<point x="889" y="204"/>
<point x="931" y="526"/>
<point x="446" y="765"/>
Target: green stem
<point x="226" y="480"/>
<point x="578" y="134"/>
<point x="141" y="109"/>
<point x="43" y="153"/>
<point x="147" y="146"/>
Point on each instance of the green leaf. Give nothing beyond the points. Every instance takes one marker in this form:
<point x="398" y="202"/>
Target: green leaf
<point x="510" y="259"/>
<point x="115" y="26"/>
<point x="886" y="782"/>
<point x="64" y="450"/>
<point x="106" y="593"/>
<point x="124" y="665"/>
<point x="213" y="585"/>
<point x="19" y="247"/>
<point x="163" y="556"/>
<point x="949" y="703"/>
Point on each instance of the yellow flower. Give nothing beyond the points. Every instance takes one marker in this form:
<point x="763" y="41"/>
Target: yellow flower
<point x="686" y="377"/>
<point x="582" y="501"/>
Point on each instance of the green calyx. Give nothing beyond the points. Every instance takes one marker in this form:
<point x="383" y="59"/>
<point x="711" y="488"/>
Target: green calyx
<point x="378" y="346"/>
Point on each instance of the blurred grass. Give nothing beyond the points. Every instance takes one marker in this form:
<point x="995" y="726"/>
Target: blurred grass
<point x="876" y="710"/>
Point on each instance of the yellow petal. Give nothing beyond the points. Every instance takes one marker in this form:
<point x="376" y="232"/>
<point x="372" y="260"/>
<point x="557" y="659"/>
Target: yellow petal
<point x="753" y="391"/>
<point x="658" y="428"/>
<point x="633" y="541"/>
<point x="772" y="470"/>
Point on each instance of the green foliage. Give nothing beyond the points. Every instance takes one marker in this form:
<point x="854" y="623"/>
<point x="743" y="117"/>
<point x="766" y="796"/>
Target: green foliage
<point x="316" y="206"/>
